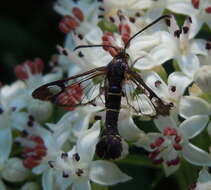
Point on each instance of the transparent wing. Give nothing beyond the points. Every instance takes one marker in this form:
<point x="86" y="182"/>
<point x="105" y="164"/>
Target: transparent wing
<point x="74" y="91"/>
<point x="138" y="100"/>
<point x="142" y="99"/>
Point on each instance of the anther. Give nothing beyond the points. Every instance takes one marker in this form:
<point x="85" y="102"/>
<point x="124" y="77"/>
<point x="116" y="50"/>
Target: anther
<point x="64" y="52"/>
<point x="157" y="83"/>
<point x="132" y="19"/>
<point x="64" y="155"/>
<point x="30" y="123"/>
<point x="168" y="22"/>
<point x="50" y="163"/>
<point x="185" y="29"/>
<point x="112" y="19"/>
<point x="177" y="33"/>
<point x="80" y="54"/>
<point x="80" y="36"/>
<point x="65" y="175"/>
<point x="173" y="88"/>
<point x="76" y="157"/>
<point x="101" y="8"/>
<point x="79" y="172"/>
<point x="208" y="45"/>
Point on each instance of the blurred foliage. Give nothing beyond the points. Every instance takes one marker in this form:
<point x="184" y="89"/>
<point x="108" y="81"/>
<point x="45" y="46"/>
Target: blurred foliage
<point x="29" y="29"/>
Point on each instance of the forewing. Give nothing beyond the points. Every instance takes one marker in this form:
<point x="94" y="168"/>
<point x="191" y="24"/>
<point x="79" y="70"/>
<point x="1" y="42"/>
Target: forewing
<point x="74" y="91"/>
<point x="143" y="100"/>
<point x="138" y="100"/>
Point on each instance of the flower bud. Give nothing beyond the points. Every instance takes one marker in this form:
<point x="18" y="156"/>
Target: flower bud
<point x="14" y="171"/>
<point x="203" y="78"/>
<point x="30" y="186"/>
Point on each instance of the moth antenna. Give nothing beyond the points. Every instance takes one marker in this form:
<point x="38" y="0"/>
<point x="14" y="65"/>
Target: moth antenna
<point x="146" y="27"/>
<point x="88" y="46"/>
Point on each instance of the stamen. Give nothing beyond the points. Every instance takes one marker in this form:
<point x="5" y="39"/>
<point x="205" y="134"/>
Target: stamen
<point x="64" y="52"/>
<point x="185" y="29"/>
<point x="65" y="175"/>
<point x="80" y="54"/>
<point x="208" y="45"/>
<point x="79" y="172"/>
<point x="30" y="123"/>
<point x="101" y="8"/>
<point x="112" y="19"/>
<point x="31" y="117"/>
<point x="157" y="83"/>
<point x="177" y="146"/>
<point x="195" y="3"/>
<point x="80" y="36"/>
<point x="64" y="155"/>
<point x="78" y="13"/>
<point x="173" y="162"/>
<point x="51" y="164"/>
<point x="168" y="22"/>
<point x="76" y="157"/>
<point x="132" y="19"/>
<point x="173" y="88"/>
<point x="208" y="10"/>
<point x="177" y="33"/>
<point x="100" y="16"/>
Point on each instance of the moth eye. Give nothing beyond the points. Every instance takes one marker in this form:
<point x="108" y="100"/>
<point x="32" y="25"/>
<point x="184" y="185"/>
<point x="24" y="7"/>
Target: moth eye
<point x="54" y="89"/>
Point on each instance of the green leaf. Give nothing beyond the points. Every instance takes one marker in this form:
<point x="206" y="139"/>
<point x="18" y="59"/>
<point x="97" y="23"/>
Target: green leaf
<point x="98" y="187"/>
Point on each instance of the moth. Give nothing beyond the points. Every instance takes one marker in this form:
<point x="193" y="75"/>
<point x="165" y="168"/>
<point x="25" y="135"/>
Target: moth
<point x="106" y="85"/>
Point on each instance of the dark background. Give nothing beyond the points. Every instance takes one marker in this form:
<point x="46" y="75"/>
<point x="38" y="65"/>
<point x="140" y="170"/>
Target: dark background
<point x="28" y="29"/>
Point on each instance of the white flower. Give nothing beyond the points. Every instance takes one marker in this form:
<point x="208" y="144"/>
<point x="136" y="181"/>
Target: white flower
<point x="172" y="142"/>
<point x="185" y="50"/>
<point x="198" y="10"/>
<point x="73" y="124"/>
<point x="77" y="165"/>
<point x="172" y="91"/>
<point x="30" y="72"/>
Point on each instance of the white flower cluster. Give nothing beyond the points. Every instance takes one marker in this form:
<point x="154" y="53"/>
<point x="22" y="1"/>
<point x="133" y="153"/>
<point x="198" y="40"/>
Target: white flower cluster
<point x="59" y="145"/>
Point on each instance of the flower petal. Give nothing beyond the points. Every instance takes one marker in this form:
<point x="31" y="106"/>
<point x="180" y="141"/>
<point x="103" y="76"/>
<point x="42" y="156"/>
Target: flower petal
<point x="197" y="46"/>
<point x="191" y="105"/>
<point x="189" y="64"/>
<point x="170" y="169"/>
<point x="81" y="185"/>
<point x="5" y="144"/>
<point x="151" y="79"/>
<point x="195" y="155"/>
<point x="107" y="173"/>
<point x="162" y="122"/>
<point x="181" y="7"/>
<point x="127" y="128"/>
<point x="47" y="180"/>
<point x="86" y="143"/>
<point x="192" y="126"/>
<point x="180" y="81"/>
